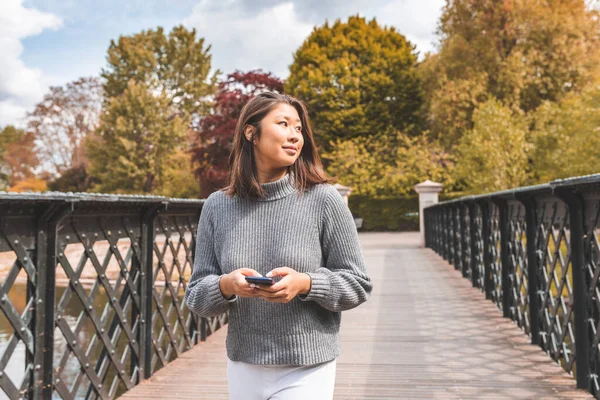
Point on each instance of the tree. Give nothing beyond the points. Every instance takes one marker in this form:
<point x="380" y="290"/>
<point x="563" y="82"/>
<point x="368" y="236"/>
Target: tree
<point x="358" y="79"/>
<point x="75" y="179"/>
<point x="179" y="181"/>
<point x="30" y="184"/>
<point x="371" y="168"/>
<point x="62" y="120"/>
<point x="176" y="66"/>
<point x="138" y="135"/>
<point x="214" y="135"/>
<point x="520" y="52"/>
<point x="494" y="154"/>
<point x="565" y="138"/>
<point x="18" y="159"/>
<point x="8" y="135"/>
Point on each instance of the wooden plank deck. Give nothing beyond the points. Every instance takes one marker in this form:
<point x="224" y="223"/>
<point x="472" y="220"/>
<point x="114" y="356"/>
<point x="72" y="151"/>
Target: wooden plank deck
<point x="424" y="334"/>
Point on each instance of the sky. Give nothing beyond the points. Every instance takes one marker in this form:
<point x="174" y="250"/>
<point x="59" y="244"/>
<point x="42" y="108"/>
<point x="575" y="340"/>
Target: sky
<point x="47" y="43"/>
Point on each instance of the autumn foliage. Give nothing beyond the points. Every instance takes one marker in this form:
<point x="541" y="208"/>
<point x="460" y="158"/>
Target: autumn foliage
<point x="214" y="134"/>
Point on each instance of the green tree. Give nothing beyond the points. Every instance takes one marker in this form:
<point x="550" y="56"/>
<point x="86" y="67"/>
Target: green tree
<point x="179" y="180"/>
<point x="494" y="155"/>
<point x="358" y="79"/>
<point x="520" y="52"/>
<point x="177" y="66"/>
<point x="565" y="138"/>
<point x="387" y="166"/>
<point x="138" y="135"/>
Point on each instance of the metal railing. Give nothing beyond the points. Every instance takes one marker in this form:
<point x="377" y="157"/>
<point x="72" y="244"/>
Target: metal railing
<point x="534" y="251"/>
<point x="92" y="290"/>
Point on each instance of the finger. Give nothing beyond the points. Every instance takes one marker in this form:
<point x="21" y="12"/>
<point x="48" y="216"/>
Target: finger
<point x="281" y="271"/>
<point x="264" y="288"/>
<point x="248" y="272"/>
<point x="282" y="284"/>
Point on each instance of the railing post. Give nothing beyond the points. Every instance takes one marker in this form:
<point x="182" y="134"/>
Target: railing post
<point x="436" y="224"/>
<point x="473" y="240"/>
<point x="439" y="230"/>
<point x="503" y="227"/>
<point x="486" y="256"/>
<point x="464" y="263"/>
<point x="532" y="266"/>
<point x="446" y="233"/>
<point x="46" y="244"/>
<point x="146" y="289"/>
<point x="582" y="343"/>
<point x="452" y="248"/>
<point x="426" y="227"/>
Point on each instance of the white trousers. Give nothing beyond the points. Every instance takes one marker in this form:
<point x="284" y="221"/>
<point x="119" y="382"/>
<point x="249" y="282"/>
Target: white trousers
<point x="279" y="382"/>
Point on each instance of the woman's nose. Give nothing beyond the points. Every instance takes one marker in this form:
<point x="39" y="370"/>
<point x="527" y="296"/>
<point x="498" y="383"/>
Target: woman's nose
<point x="294" y="135"/>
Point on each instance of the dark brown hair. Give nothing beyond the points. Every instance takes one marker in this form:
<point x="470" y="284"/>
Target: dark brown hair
<point x="243" y="176"/>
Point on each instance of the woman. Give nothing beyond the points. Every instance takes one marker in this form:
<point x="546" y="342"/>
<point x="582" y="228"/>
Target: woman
<point x="278" y="217"/>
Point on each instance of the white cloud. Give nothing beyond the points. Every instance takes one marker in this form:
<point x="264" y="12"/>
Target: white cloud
<point x="417" y="20"/>
<point x="265" y="40"/>
<point x="20" y="86"/>
<point x="248" y="34"/>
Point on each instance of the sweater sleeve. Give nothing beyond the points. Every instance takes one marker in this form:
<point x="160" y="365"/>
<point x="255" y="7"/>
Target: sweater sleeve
<point x="342" y="283"/>
<point x="203" y="295"/>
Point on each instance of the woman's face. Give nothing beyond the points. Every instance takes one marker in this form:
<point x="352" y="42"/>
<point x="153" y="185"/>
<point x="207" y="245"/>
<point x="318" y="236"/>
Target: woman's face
<point x="280" y="140"/>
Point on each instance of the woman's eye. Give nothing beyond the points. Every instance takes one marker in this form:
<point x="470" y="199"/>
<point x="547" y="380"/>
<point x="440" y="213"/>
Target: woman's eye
<point x="283" y="122"/>
<point x="299" y="128"/>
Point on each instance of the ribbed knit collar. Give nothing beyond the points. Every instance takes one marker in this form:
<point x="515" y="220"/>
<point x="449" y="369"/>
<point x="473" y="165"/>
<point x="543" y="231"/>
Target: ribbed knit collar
<point x="279" y="188"/>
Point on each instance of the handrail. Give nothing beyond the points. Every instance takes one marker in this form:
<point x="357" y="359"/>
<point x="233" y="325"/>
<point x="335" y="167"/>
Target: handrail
<point x="124" y="261"/>
<point x="534" y="251"/>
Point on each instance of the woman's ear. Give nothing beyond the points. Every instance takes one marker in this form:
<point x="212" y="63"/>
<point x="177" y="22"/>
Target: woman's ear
<point x="249" y="133"/>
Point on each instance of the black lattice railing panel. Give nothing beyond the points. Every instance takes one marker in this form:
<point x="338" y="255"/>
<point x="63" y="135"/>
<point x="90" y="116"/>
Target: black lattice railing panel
<point x="91" y="294"/>
<point x="556" y="281"/>
<point x="517" y="259"/>
<point x="17" y="303"/>
<point x="97" y="351"/>
<point x="542" y="255"/>
<point x="495" y="254"/>
<point x="592" y="272"/>
<point x="174" y="328"/>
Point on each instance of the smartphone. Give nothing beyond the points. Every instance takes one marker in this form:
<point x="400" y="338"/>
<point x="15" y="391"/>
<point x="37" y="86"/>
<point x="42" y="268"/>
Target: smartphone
<point x="260" y="280"/>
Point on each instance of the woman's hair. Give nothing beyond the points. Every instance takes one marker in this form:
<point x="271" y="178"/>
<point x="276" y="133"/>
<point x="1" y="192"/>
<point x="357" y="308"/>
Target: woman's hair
<point x="243" y="177"/>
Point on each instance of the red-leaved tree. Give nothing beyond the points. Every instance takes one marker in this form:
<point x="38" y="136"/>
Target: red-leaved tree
<point x="213" y="136"/>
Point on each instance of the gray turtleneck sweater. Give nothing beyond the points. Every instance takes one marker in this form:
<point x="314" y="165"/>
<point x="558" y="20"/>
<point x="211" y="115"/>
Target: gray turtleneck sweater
<point x="311" y="232"/>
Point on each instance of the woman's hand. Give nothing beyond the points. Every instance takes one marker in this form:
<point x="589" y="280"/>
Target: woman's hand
<point x="235" y="283"/>
<point x="293" y="283"/>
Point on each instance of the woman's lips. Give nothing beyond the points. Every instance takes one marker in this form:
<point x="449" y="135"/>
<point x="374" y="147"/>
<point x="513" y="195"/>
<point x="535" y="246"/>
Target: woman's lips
<point x="290" y="150"/>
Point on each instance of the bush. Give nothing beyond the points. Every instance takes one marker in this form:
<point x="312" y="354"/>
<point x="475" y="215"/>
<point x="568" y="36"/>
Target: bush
<point x="388" y="214"/>
<point x="393" y="214"/>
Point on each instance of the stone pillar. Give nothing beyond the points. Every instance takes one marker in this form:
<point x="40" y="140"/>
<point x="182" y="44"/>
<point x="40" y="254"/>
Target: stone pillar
<point x="428" y="195"/>
<point x="344" y="191"/>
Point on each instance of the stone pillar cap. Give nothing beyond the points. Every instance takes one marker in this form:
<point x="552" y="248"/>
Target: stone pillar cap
<point x="428" y="187"/>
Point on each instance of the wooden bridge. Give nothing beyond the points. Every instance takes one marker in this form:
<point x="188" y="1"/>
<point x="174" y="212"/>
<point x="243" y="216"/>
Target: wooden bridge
<point x="426" y="332"/>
